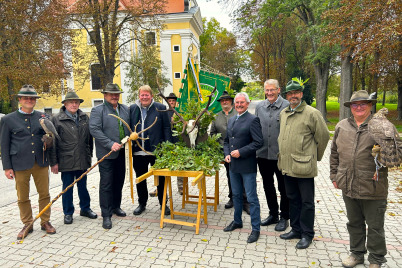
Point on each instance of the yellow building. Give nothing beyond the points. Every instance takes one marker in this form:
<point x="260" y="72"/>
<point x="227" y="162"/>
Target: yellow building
<point x="182" y="26"/>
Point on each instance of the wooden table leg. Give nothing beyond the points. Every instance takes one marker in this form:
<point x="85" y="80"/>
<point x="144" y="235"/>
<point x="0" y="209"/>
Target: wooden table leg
<point x="167" y="181"/>
<point x="171" y="197"/>
<point x="185" y="192"/>
<point x="204" y="199"/>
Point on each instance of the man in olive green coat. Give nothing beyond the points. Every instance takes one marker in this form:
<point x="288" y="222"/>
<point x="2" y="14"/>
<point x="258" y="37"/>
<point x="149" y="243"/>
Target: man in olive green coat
<point x="302" y="140"/>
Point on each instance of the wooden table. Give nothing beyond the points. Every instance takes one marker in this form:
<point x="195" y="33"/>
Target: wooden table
<point x="199" y="180"/>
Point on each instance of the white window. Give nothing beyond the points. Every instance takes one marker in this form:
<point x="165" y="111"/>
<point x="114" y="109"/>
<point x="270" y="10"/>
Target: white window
<point x="96" y="102"/>
<point x="96" y="76"/>
<point x="48" y="111"/>
<point x="177" y="75"/>
<point x="176" y="48"/>
<point x="91" y="37"/>
<point x="150" y="38"/>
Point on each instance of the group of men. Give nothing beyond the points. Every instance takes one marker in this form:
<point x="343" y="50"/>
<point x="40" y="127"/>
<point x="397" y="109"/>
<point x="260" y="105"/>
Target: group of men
<point x="285" y="138"/>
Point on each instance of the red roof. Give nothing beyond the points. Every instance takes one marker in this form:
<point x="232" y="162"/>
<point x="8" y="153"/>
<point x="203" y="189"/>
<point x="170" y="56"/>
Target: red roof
<point x="172" y="6"/>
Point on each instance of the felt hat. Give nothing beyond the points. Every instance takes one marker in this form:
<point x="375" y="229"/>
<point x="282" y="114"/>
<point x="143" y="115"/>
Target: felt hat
<point x="360" y="95"/>
<point x="28" y="91"/>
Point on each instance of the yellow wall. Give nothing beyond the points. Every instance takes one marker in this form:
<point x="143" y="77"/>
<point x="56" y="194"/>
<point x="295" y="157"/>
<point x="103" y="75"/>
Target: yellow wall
<point x="81" y="75"/>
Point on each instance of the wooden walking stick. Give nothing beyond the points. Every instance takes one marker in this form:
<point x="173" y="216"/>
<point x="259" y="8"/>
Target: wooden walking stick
<point x="134" y="136"/>
<point x="62" y="192"/>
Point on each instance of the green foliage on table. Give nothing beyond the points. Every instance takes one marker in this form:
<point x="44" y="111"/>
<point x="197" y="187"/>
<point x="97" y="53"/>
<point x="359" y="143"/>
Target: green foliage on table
<point x="193" y="110"/>
<point x="206" y="156"/>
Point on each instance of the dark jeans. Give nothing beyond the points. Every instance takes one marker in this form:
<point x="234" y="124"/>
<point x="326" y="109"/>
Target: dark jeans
<point x="267" y="169"/>
<point x="140" y="164"/>
<point x="230" y="195"/>
<point x="112" y="175"/>
<point x="68" y="178"/>
<point x="360" y="213"/>
<point x="300" y="192"/>
<point x="248" y="181"/>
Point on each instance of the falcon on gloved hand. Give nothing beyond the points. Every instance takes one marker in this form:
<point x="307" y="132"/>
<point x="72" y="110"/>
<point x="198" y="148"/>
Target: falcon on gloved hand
<point x="51" y="132"/>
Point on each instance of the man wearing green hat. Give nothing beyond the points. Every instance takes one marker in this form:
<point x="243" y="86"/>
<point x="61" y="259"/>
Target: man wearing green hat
<point x="73" y="154"/>
<point x="303" y="137"/>
<point x="108" y="132"/>
<point x="23" y="156"/>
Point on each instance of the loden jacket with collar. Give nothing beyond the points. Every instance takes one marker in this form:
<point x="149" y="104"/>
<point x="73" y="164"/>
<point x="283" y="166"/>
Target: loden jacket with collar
<point x="105" y="128"/>
<point x="269" y="117"/>
<point x="74" y="150"/>
<point x="243" y="134"/>
<point x="159" y="133"/>
<point x="21" y="144"/>
<point x="352" y="166"/>
<point x="220" y="124"/>
<point x="303" y="137"/>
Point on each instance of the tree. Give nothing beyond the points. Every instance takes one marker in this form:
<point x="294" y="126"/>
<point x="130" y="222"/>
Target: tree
<point x="370" y="32"/>
<point x="145" y="69"/>
<point x="219" y="50"/>
<point x="111" y="25"/>
<point x="32" y="33"/>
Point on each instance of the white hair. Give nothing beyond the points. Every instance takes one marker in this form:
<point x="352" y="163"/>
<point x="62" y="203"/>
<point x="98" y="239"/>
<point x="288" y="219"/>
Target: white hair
<point x="273" y="82"/>
<point x="242" y="94"/>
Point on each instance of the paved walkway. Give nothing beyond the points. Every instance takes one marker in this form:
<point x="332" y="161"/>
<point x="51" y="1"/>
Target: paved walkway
<point x="140" y="242"/>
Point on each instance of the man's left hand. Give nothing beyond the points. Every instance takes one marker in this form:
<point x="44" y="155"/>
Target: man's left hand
<point x="235" y="154"/>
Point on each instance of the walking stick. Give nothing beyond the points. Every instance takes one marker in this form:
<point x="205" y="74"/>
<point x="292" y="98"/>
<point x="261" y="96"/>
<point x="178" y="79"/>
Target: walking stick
<point x="65" y="190"/>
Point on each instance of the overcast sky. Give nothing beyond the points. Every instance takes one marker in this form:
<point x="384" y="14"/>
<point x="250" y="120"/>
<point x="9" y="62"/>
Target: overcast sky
<point x="211" y="9"/>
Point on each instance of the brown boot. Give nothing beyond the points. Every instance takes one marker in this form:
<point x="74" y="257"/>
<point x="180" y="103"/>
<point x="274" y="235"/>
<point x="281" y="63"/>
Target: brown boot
<point x="25" y="232"/>
<point x="48" y="228"/>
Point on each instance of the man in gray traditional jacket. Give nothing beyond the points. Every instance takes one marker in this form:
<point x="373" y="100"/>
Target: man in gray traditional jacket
<point x="267" y="156"/>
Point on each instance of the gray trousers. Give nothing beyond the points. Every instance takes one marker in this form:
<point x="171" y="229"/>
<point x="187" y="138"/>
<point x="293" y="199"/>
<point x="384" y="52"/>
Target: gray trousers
<point x="371" y="212"/>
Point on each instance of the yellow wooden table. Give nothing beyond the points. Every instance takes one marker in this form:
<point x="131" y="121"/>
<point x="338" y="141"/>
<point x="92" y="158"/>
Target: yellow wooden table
<point x="199" y="180"/>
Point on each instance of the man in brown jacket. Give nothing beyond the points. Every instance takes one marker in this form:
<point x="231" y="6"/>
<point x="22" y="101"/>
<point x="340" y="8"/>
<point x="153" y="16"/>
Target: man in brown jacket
<point x="352" y="169"/>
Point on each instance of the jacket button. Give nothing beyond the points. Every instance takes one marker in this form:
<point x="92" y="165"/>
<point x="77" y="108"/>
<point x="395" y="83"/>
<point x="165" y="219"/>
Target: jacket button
<point x="26" y="119"/>
<point x="32" y="143"/>
<point x="28" y="127"/>
<point x="32" y="135"/>
<point x="33" y="152"/>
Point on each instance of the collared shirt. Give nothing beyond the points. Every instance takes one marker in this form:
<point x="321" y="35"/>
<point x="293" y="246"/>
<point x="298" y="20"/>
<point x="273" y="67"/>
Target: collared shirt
<point x="294" y="109"/>
<point x="21" y="111"/>
<point x="72" y="116"/>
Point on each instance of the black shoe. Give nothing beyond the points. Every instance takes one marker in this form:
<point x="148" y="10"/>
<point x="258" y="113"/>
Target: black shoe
<point x="282" y="225"/>
<point x="68" y="219"/>
<point x="270" y="220"/>
<point x="233" y="226"/>
<point x="253" y="237"/>
<point x="246" y="208"/>
<point x="119" y="212"/>
<point x="291" y="235"/>
<point x="139" y="210"/>
<point x="304" y="243"/>
<point x="89" y="214"/>
<point x="229" y="204"/>
<point x="107" y="223"/>
<point x="167" y="211"/>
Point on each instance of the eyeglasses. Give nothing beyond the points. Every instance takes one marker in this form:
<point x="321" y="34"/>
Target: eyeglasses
<point x="270" y="90"/>
<point x="362" y="105"/>
<point x="293" y="92"/>
<point x="28" y="98"/>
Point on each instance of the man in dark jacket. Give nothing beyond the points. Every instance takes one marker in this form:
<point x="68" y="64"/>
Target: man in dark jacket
<point x="73" y="154"/>
<point x="143" y="113"/>
<point x="23" y="156"/>
<point x="352" y="168"/>
<point x="242" y="140"/>
<point x="108" y="132"/>
<point x="219" y="125"/>
<point x="267" y="156"/>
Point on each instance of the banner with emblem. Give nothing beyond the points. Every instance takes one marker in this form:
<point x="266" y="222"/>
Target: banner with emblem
<point x="198" y="84"/>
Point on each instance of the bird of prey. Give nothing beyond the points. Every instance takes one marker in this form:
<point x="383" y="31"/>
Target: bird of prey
<point x="51" y="132"/>
<point x="387" y="137"/>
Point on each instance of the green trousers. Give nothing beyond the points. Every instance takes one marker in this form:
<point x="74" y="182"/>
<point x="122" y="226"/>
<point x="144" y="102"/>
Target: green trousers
<point x="362" y="212"/>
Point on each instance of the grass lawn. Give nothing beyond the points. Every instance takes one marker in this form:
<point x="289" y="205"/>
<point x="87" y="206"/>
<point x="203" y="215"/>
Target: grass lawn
<point x="333" y="114"/>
